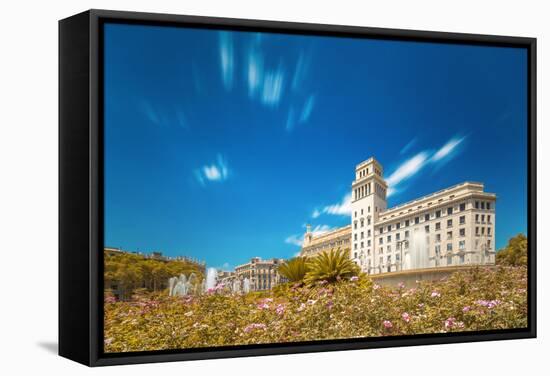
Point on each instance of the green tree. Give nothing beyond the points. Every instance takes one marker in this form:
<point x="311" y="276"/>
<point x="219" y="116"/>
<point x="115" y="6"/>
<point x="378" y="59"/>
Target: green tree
<point x="515" y="253"/>
<point x="331" y="266"/>
<point x="294" y="269"/>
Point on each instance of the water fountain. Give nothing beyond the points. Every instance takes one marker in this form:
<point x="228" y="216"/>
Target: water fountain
<point x="211" y="276"/>
<point x="416" y="257"/>
<point x="246" y="286"/>
<point x="236" y="285"/>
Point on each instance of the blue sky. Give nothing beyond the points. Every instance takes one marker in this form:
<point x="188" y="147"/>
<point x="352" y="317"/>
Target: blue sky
<point x="223" y="145"/>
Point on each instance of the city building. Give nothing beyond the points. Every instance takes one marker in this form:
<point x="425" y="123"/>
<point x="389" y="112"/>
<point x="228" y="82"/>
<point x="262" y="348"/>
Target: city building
<point x="262" y="274"/>
<point x="453" y="226"/>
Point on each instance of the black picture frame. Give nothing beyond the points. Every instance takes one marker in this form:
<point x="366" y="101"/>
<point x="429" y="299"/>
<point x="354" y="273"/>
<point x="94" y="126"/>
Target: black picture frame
<point x="81" y="182"/>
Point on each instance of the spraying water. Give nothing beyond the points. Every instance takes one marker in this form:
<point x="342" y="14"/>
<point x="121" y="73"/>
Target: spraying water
<point x="211" y="278"/>
<point x="416" y="257"/>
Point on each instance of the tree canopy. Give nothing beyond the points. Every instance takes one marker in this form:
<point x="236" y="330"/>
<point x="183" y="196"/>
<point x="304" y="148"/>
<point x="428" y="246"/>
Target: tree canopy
<point x="515" y="253"/>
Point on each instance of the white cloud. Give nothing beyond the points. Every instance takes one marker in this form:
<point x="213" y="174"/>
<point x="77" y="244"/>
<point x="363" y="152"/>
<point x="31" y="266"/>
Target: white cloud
<point x="308" y="108"/>
<point x="407" y="169"/>
<point x="255" y="72"/>
<point x="298" y="240"/>
<point x="447" y="149"/>
<point x="316" y="213"/>
<point x="217" y="171"/>
<point x="342" y="208"/>
<point x="273" y="87"/>
<point x="226" y="59"/>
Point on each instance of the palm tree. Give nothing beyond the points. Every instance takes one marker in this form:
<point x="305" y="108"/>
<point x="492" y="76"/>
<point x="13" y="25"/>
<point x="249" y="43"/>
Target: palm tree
<point x="294" y="269"/>
<point x="331" y="266"/>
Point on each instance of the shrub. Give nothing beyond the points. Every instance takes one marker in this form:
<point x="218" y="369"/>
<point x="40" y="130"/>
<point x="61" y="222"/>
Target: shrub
<point x="331" y="266"/>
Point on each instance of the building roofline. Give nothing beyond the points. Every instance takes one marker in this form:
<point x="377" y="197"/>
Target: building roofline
<point x="431" y="195"/>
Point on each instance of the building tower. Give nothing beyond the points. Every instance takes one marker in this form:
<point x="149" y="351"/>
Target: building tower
<point x="368" y="199"/>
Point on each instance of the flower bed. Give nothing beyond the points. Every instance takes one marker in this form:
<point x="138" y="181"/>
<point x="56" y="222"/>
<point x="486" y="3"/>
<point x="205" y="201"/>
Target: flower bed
<point x="480" y="299"/>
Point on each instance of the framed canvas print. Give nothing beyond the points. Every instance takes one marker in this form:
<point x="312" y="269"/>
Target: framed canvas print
<point x="239" y="187"/>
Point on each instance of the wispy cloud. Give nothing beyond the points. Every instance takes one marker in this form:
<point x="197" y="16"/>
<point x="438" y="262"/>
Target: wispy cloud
<point x="215" y="172"/>
<point x="298" y="240"/>
<point x="316" y="213"/>
<point x="341" y="208"/>
<point x="300" y="71"/>
<point x="227" y="62"/>
<point x="273" y="87"/>
<point x="255" y="72"/>
<point x="408" y="168"/>
<point x="408" y="146"/>
<point x="308" y="108"/>
<point x="150" y="112"/>
<point x="290" y="119"/>
<point x="448" y="149"/>
<point x="416" y="164"/>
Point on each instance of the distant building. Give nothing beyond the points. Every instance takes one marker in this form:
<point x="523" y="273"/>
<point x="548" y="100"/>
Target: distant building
<point x="454" y="226"/>
<point x="262" y="274"/>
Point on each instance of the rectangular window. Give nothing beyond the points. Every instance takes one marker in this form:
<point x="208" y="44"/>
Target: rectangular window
<point x="477" y="230"/>
<point x="477" y="204"/>
<point x="389" y="228"/>
<point x="380" y="240"/>
<point x="449" y="247"/>
<point x="462" y="207"/>
<point x="488" y="231"/>
<point x="461" y="259"/>
<point x="381" y="230"/>
<point x="437" y="238"/>
<point x="427" y="228"/>
<point x="398" y="225"/>
<point x="406" y="234"/>
<point x="368" y="221"/>
<point x="398" y="236"/>
<point x="449" y="235"/>
<point x="355" y="214"/>
<point x="449" y="223"/>
<point x="482" y="205"/>
<point x="438" y="226"/>
<point x="462" y="219"/>
<point x="355" y="246"/>
<point x="389" y="248"/>
<point x="362" y="235"/>
<point x="482" y="218"/>
<point x="488" y="206"/>
<point x="389" y="238"/>
<point x="449" y="211"/>
<point x="437" y="249"/>
<point x="461" y="244"/>
<point x="438" y="214"/>
<point x="449" y="260"/>
<point x="488" y="219"/>
<point x="482" y="230"/>
<point x="368" y="233"/>
<point x="354" y="236"/>
<point x="355" y="226"/>
<point x="417" y="220"/>
<point x="362" y="245"/>
<point x="462" y="232"/>
<point x="407" y="223"/>
<point x="427" y="217"/>
<point x="368" y="243"/>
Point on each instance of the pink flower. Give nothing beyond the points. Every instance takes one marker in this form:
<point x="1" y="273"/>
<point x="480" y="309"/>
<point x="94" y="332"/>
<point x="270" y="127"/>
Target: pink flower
<point x="263" y="306"/>
<point x="354" y="278"/>
<point x="330" y="304"/>
<point x="466" y="309"/>
<point x="302" y="307"/>
<point x="251" y="327"/>
<point x="387" y="324"/>
<point x="110" y="299"/>
<point x="420" y="305"/>
<point x="268" y="300"/>
<point x="376" y="287"/>
<point x="406" y="317"/>
<point x="280" y="309"/>
<point x="401" y="285"/>
<point x="435" y="294"/>
<point x="449" y="323"/>
<point x="322" y="282"/>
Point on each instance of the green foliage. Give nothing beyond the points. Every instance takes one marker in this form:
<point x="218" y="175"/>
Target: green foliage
<point x="295" y="269"/>
<point x="476" y="300"/>
<point x="515" y="253"/>
<point x="331" y="266"/>
<point x="129" y="272"/>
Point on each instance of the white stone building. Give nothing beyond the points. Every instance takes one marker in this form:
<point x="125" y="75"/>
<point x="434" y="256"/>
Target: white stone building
<point x="453" y="226"/>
